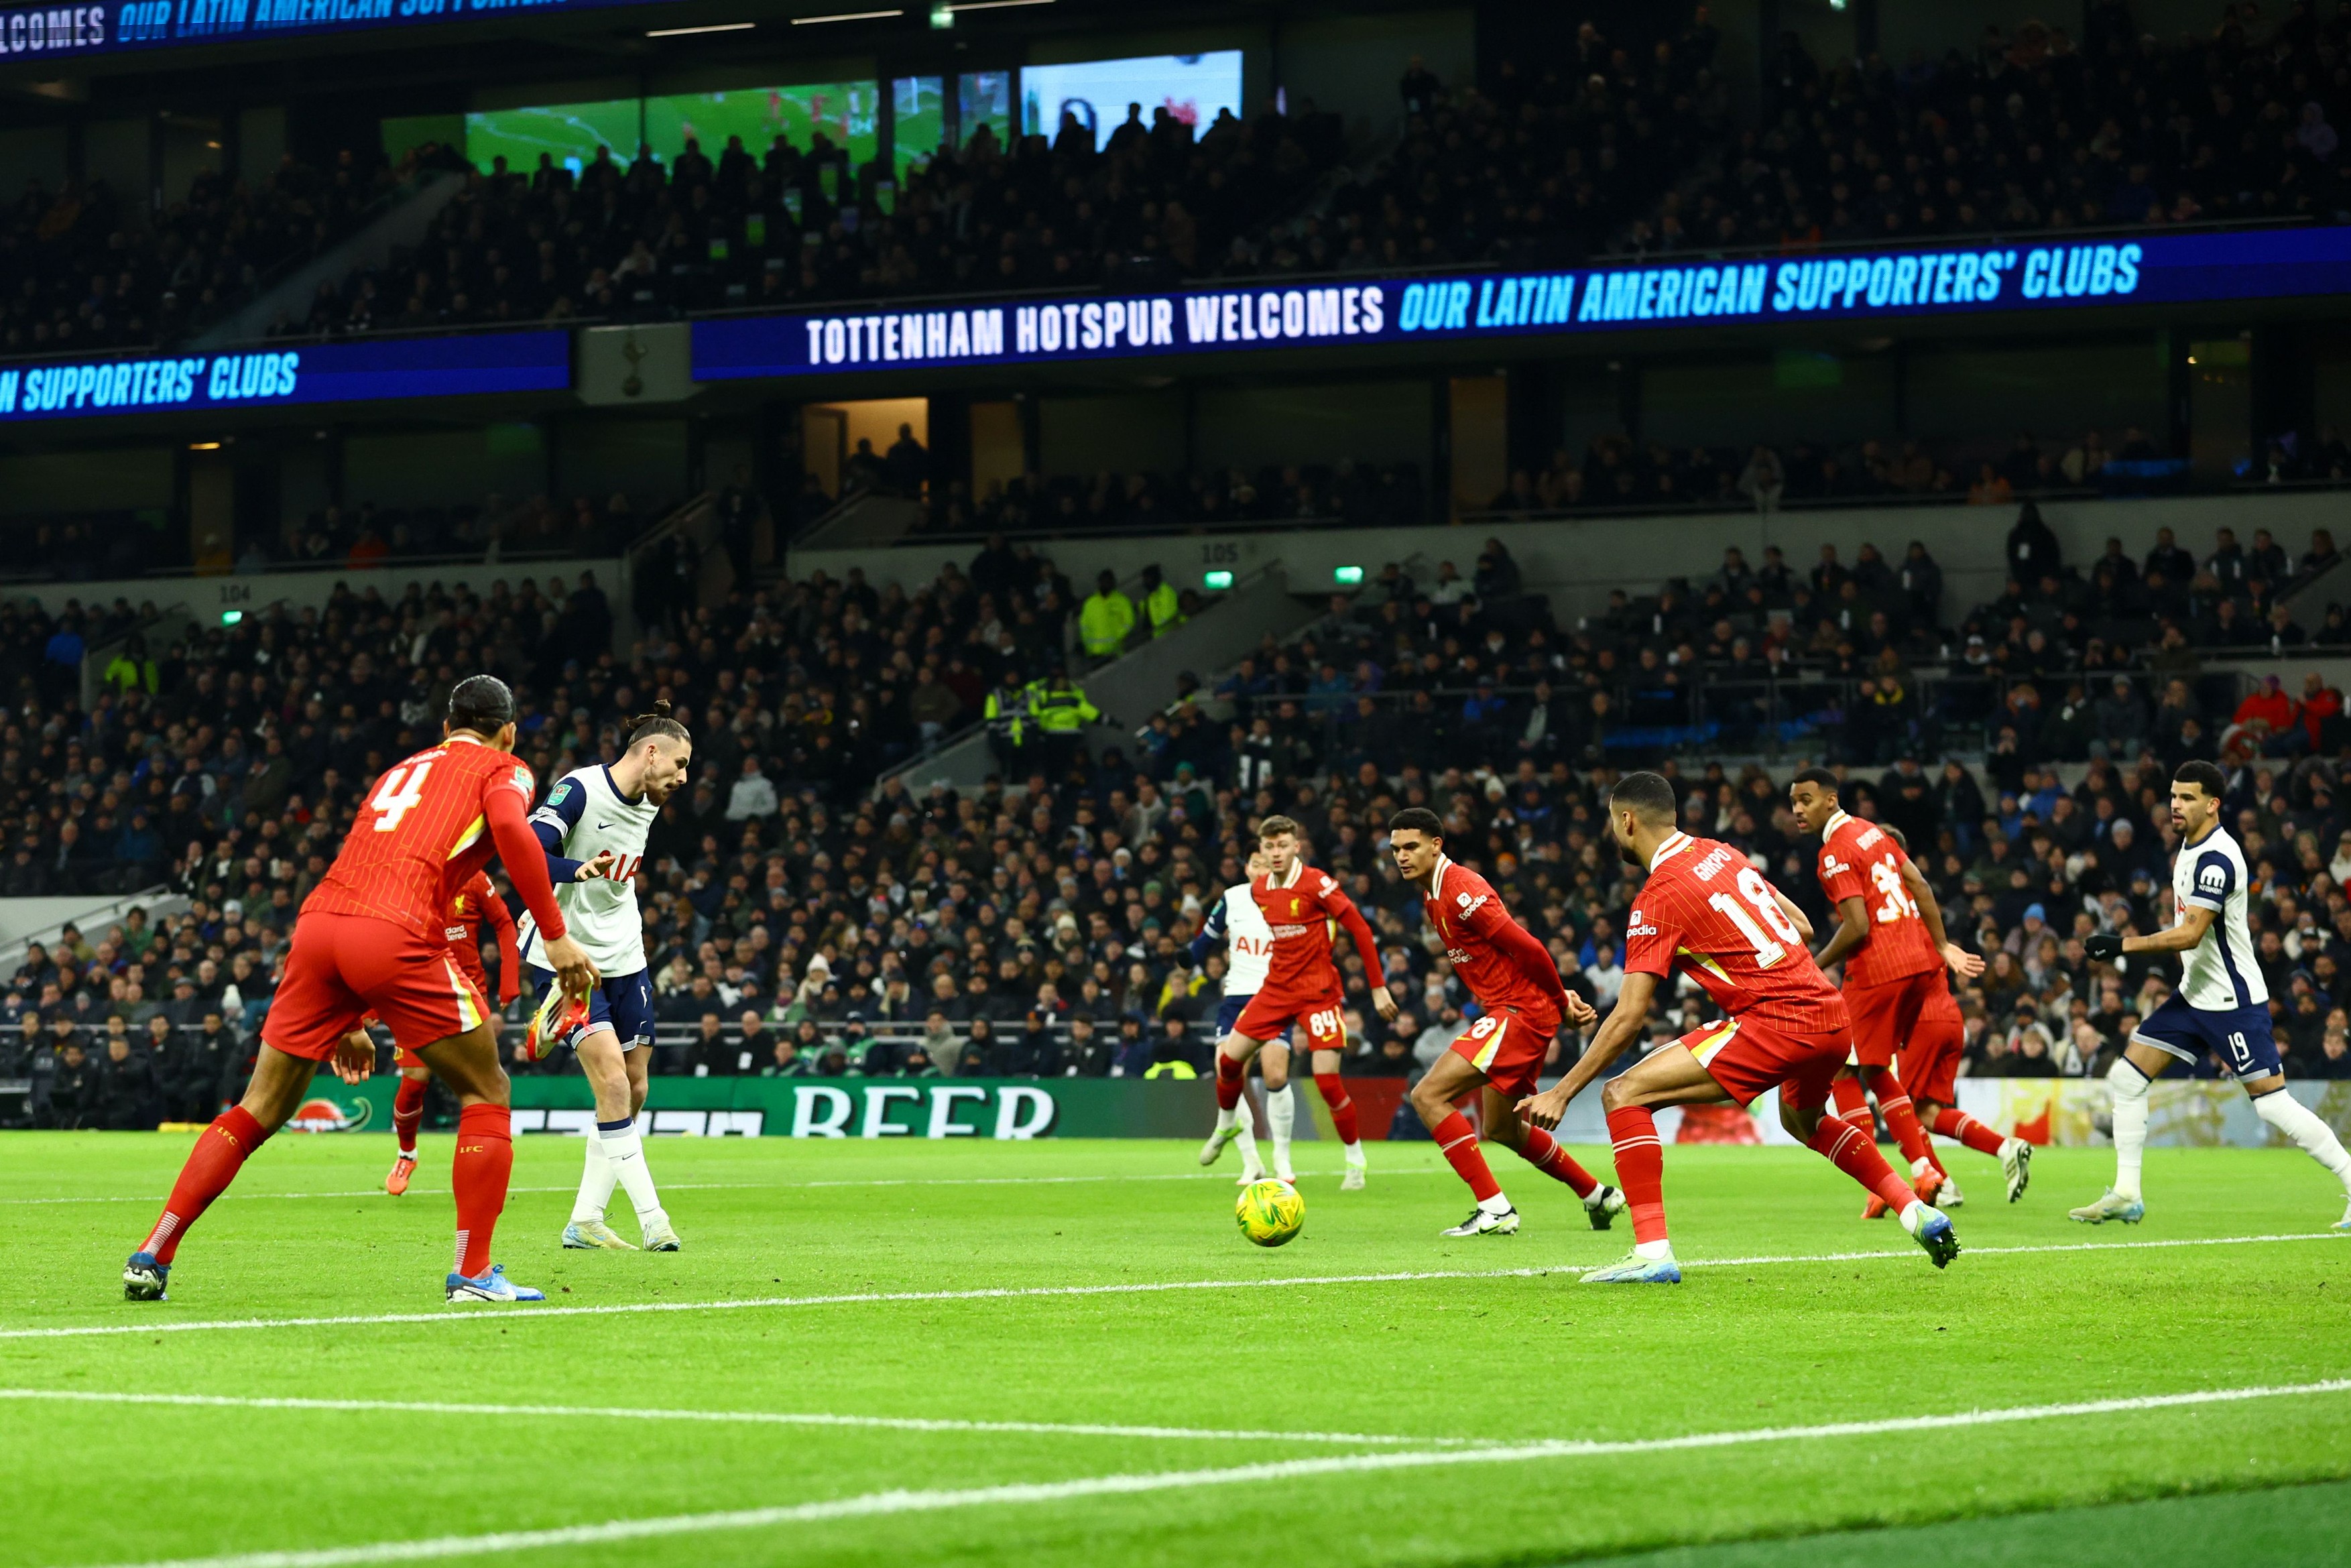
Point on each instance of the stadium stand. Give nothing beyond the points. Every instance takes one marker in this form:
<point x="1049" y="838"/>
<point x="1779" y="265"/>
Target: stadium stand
<point x="800" y="915"/>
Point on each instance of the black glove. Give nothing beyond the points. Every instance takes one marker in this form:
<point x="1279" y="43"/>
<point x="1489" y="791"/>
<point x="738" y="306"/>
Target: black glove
<point x="2104" y="947"/>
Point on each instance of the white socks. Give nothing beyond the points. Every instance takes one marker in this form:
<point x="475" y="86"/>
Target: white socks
<point x="2300" y="1123"/>
<point x="1653" y="1249"/>
<point x="1913" y="1215"/>
<point x="1227" y="1117"/>
<point x="625" y="1151"/>
<point x="1281" y="1117"/>
<point x="1497" y="1204"/>
<point x="595" y="1183"/>
<point x="1247" y="1141"/>
<point x="2129" y="1086"/>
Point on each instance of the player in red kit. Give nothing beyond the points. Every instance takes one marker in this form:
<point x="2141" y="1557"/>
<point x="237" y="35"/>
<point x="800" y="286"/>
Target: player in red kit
<point x="1889" y="938"/>
<point x="1930" y="1066"/>
<point x="372" y="939"/>
<point x="1502" y="1053"/>
<point x="1706" y="914"/>
<point x="1301" y="988"/>
<point x="475" y="904"/>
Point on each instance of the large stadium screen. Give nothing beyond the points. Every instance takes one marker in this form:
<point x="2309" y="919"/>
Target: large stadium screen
<point x="1192" y="88"/>
<point x="568" y="132"/>
<point x="847" y="112"/>
<point x="918" y="121"/>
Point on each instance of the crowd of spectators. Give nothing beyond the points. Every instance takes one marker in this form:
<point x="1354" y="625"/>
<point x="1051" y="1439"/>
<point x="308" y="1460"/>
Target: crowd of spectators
<point x="799" y="918"/>
<point x="1355" y="494"/>
<point x="785" y="225"/>
<point x="81" y="268"/>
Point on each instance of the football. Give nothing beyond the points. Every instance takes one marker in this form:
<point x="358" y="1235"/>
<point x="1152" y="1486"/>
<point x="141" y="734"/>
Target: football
<point x="1269" y="1212"/>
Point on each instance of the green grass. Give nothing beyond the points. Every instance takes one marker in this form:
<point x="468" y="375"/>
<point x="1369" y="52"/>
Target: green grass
<point x="1795" y="1339"/>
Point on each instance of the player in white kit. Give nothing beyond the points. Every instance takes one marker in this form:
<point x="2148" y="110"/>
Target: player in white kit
<point x="599" y="816"/>
<point x="1236" y="921"/>
<point x="2221" y="1005"/>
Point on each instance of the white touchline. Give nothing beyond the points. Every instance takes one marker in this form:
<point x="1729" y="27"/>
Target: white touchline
<point x="159" y="1325"/>
<point x="731" y="1185"/>
<point x="749" y="1417"/>
<point x="879" y="1504"/>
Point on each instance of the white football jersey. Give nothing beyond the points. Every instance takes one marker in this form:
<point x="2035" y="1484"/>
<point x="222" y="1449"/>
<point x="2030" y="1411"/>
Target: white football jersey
<point x="591" y="813"/>
<point x="1250" y="943"/>
<point x="2218" y="974"/>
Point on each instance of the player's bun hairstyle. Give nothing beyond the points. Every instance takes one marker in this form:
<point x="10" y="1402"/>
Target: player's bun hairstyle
<point x="1648" y="796"/>
<point x="645" y="727"/>
<point x="1420" y="819"/>
<point x="2205" y="776"/>
<point x="1274" y="827"/>
<point x="482" y="704"/>
<point x="1820" y="779"/>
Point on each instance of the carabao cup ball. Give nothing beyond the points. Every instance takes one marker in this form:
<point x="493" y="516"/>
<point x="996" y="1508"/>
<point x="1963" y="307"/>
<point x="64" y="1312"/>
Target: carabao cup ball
<point x="1269" y="1212"/>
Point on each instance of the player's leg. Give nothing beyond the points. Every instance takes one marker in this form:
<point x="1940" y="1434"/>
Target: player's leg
<point x="1852" y="1101"/>
<point x="630" y="1001"/>
<point x="1281" y="1109"/>
<point x="2252" y="1052"/>
<point x="1327" y="1029"/>
<point x="1602" y="1203"/>
<point x="1883" y="1016"/>
<point x="407" y="1115"/>
<point x="1261" y="1021"/>
<point x="1672" y="1076"/>
<point x="1803" y="1098"/>
<point x="483" y="1166"/>
<point x="604" y="1065"/>
<point x="313" y="1009"/>
<point x="2172" y="1032"/>
<point x="1452" y="1076"/>
<point x="280" y="1081"/>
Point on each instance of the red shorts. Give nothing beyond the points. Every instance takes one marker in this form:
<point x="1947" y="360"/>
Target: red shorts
<point x="1747" y="1056"/>
<point x="1321" y="1018"/>
<point x="1884" y="1016"/>
<point x="1931" y="1062"/>
<point x="1508" y="1047"/>
<point x="342" y="968"/>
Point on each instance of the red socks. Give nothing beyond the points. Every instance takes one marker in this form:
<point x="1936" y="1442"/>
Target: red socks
<point x="1230" y="1075"/>
<point x="408" y="1111"/>
<point x="1851" y="1104"/>
<point x="1343" y="1108"/>
<point x="477" y="1177"/>
<point x="1640" y="1170"/>
<point x="1957" y="1124"/>
<point x="220" y="1153"/>
<point x="1837" y="1143"/>
<point x="1894" y="1105"/>
<point x="1458" y="1143"/>
<point x="1544" y="1152"/>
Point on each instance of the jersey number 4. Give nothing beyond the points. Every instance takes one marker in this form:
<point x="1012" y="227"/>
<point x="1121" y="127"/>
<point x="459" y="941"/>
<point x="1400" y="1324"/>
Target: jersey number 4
<point x="1756" y="893"/>
<point x="401" y="788"/>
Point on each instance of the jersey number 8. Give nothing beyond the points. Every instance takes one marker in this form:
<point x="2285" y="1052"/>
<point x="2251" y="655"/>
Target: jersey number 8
<point x="1757" y="893"/>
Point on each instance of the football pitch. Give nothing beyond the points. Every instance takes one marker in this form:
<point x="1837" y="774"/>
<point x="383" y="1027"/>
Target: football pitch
<point x="1063" y="1353"/>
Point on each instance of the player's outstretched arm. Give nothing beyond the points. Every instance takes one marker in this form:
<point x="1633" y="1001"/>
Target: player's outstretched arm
<point x="1625" y="1021"/>
<point x="1343" y="909"/>
<point x="1532" y="959"/>
<point x="2105" y="947"/>
<point x="525" y="862"/>
<point x="1967" y="965"/>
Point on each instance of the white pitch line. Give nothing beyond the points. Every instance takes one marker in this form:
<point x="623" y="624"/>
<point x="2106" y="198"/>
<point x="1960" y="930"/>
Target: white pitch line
<point x="872" y="1505"/>
<point x="730" y="1185"/>
<point x="1133" y="1288"/>
<point x="747" y="1418"/>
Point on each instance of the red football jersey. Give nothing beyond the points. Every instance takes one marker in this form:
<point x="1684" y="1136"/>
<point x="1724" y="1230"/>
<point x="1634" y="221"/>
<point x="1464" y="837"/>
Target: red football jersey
<point x="1468" y="913"/>
<point x="1708" y="914"/>
<point x="1861" y="859"/>
<point x="473" y="906"/>
<point x="1942" y="1008"/>
<point x="420" y="835"/>
<point x="1300" y="909"/>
